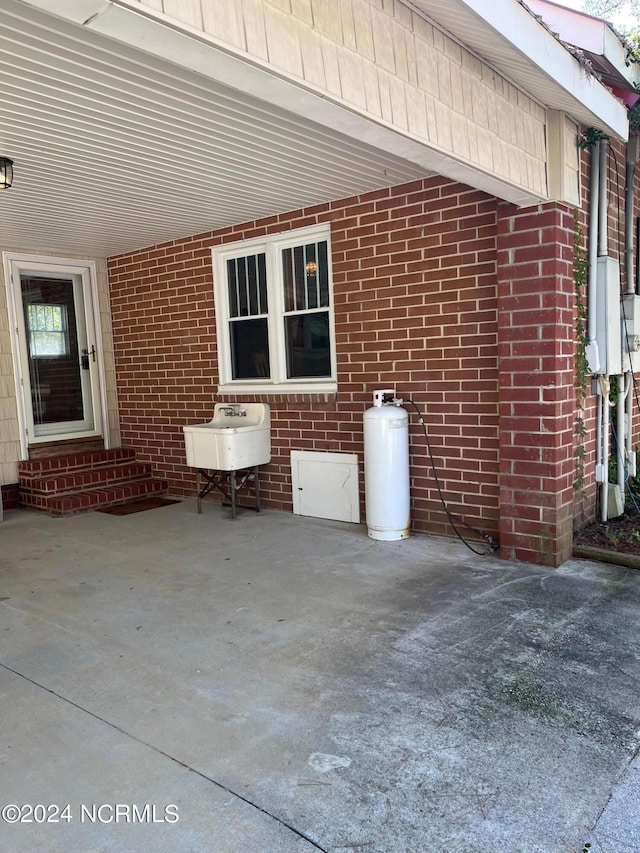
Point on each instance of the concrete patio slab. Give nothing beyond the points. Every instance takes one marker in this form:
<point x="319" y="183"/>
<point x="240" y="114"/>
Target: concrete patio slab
<point x="276" y="683"/>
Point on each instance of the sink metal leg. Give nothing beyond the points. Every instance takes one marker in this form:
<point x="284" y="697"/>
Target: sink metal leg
<point x="229" y="483"/>
<point x="233" y="494"/>
<point x="257" y="487"/>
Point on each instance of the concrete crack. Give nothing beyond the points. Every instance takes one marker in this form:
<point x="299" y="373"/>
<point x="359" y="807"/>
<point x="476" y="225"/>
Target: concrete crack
<point x="172" y="758"/>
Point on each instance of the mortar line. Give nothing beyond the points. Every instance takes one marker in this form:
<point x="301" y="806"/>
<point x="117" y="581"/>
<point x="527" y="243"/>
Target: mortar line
<point x="172" y="758"/>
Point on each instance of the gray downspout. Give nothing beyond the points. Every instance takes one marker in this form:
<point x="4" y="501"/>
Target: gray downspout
<point x="603" y="250"/>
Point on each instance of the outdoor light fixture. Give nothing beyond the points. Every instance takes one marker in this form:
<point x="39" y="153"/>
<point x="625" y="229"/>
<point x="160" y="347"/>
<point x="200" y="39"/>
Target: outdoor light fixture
<point x="6" y="173"/>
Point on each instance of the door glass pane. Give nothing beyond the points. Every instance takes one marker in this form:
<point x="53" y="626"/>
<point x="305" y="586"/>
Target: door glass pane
<point x="249" y="348"/>
<point x="53" y="350"/>
<point x="307" y="343"/>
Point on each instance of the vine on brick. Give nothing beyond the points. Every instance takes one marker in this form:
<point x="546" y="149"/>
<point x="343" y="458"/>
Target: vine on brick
<point x="580" y="275"/>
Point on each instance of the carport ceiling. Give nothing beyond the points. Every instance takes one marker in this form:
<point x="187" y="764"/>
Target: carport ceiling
<point x="115" y="149"/>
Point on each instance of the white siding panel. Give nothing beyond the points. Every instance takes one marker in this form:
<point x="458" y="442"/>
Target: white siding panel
<point x="398" y="102"/>
<point x="492" y="114"/>
<point x="411" y="47"/>
<point x="417" y="113"/>
<point x="430" y="103"/>
<point x="327" y="19"/>
<point x="283" y="41"/>
<point x="348" y="25"/>
<point x="254" y="28"/>
<point x="331" y="66"/>
<point x="443" y="126"/>
<point x="352" y="78"/>
<point x="187" y="11"/>
<point x="427" y="70"/>
<point x="485" y="148"/>
<point x="422" y="29"/>
<point x="312" y="58"/>
<point x="444" y="81"/>
<point x="457" y="95"/>
<point x="400" y="51"/>
<point x="224" y="21"/>
<point x="372" y="87"/>
<point x="302" y="10"/>
<point x="281" y="5"/>
<point x="363" y="28"/>
<point x="385" y="96"/>
<point x="383" y="44"/>
<point x="402" y="14"/>
<point x="460" y="136"/>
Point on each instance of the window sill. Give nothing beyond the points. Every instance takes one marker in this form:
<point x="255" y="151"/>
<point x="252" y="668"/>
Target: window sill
<point x="245" y="388"/>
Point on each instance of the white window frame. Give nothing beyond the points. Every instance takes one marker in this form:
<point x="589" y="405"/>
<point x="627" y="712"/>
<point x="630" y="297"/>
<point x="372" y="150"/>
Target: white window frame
<point x="278" y="383"/>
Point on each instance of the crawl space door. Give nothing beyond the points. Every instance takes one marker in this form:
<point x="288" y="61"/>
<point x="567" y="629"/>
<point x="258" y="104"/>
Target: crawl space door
<point x="325" y="485"/>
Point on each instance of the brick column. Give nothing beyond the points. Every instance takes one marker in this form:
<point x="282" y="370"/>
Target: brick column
<point x="536" y="334"/>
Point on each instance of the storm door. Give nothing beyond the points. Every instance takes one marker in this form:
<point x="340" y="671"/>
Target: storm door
<point x="59" y="368"/>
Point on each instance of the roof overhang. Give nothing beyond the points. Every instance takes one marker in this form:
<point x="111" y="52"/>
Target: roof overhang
<point x="114" y="88"/>
<point x="599" y="42"/>
<point x="509" y="36"/>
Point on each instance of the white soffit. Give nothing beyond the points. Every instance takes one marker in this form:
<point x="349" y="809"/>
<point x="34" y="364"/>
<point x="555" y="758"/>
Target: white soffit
<point x="115" y="149"/>
<point x="149" y="30"/>
<point x="507" y="34"/>
<point x="124" y="136"/>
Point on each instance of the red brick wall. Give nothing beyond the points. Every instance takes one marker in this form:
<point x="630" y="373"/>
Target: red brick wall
<point x="414" y="270"/>
<point x="537" y="382"/>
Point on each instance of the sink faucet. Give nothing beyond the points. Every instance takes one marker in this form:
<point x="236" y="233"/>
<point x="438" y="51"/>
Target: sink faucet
<point x="233" y="411"/>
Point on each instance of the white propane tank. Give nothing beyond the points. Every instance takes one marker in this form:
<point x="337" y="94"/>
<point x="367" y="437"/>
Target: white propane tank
<point x="386" y="469"/>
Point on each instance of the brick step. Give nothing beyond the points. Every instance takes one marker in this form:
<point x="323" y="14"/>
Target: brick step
<point x="62" y="464"/>
<point x="91" y="499"/>
<point x="83" y="478"/>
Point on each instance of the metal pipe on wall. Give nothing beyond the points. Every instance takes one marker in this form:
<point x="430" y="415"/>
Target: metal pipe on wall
<point x="603" y="249"/>
<point x="621" y="435"/>
<point x="628" y="219"/>
<point x="594" y="360"/>
<point x="603" y="201"/>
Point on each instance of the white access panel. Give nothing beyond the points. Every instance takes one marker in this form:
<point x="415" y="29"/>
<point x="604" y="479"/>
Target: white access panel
<point x="608" y="322"/>
<point x="325" y="485"/>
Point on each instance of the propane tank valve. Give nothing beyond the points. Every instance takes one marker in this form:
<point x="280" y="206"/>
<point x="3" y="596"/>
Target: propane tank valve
<point x="386" y="397"/>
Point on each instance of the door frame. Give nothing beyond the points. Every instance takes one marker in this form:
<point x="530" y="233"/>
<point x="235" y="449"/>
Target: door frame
<point x="17" y="264"/>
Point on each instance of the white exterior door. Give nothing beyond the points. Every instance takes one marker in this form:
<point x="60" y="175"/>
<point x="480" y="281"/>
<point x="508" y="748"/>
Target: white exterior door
<point x="57" y="353"/>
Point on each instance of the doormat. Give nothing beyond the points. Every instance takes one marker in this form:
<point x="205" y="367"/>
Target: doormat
<point x="137" y="506"/>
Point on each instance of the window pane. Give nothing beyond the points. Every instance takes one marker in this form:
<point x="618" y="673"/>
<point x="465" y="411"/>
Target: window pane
<point x="262" y="283"/>
<point x="252" y="279"/>
<point x="323" y="275"/>
<point x="305" y="277"/>
<point x="288" y="280"/>
<point x="307" y="343"/>
<point x="243" y="295"/>
<point x="247" y="286"/>
<point x="232" y="282"/>
<point x="249" y="349"/>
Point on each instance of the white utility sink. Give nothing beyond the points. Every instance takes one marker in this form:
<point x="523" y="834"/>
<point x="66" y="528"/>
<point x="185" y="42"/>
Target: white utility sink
<point x="238" y="436"/>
